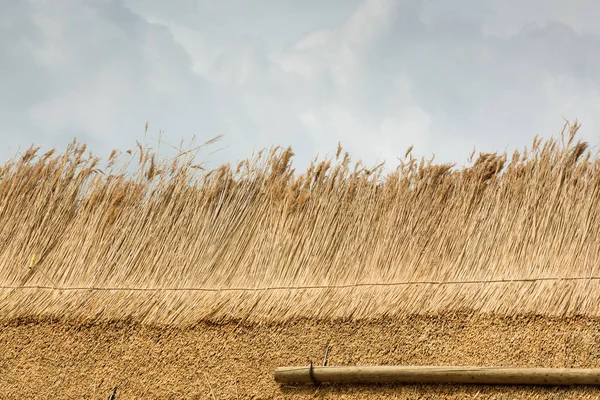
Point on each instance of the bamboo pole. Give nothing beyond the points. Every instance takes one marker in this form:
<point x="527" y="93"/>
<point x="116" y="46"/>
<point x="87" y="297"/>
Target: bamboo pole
<point x="428" y="374"/>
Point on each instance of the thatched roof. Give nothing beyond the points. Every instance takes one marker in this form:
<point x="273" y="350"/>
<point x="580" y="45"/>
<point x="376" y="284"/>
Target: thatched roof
<point x="172" y="244"/>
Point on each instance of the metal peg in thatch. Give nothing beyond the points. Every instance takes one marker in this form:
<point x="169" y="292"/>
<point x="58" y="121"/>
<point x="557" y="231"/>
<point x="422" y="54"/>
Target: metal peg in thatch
<point x="399" y="374"/>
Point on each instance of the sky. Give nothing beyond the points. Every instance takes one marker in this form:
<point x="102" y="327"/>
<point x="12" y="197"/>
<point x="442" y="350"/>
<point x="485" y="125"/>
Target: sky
<point x="375" y="75"/>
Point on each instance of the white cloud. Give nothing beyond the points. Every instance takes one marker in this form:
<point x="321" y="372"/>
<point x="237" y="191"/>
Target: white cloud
<point x="96" y="106"/>
<point x="377" y="75"/>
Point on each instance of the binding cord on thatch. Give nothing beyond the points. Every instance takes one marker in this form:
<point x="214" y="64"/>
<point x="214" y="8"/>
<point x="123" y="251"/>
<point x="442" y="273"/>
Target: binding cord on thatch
<point x="314" y="287"/>
<point x="167" y="241"/>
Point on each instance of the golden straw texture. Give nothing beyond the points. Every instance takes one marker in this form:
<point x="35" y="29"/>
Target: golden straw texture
<point x="165" y="241"/>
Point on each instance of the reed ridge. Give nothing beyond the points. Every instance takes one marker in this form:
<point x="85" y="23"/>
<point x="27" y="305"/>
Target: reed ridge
<point x="166" y="241"/>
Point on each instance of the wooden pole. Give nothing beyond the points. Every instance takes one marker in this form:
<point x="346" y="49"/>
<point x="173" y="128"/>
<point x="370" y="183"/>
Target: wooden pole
<point x="399" y="374"/>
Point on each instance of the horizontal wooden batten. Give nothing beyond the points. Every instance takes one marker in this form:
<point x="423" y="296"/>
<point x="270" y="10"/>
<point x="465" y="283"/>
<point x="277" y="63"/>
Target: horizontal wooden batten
<point x="437" y="374"/>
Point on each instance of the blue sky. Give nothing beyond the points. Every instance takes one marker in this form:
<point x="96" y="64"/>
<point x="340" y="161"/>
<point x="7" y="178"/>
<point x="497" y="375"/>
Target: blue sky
<point x="375" y="75"/>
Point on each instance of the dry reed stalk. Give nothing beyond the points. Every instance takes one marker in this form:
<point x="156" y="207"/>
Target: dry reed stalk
<point x="172" y="243"/>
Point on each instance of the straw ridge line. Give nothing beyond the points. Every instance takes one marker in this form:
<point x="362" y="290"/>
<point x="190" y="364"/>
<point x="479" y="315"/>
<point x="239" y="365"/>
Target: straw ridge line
<point x="163" y="239"/>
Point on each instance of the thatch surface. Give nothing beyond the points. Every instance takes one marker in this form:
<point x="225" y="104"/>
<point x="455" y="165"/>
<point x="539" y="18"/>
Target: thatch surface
<point x="168" y="243"/>
<point x="59" y="360"/>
